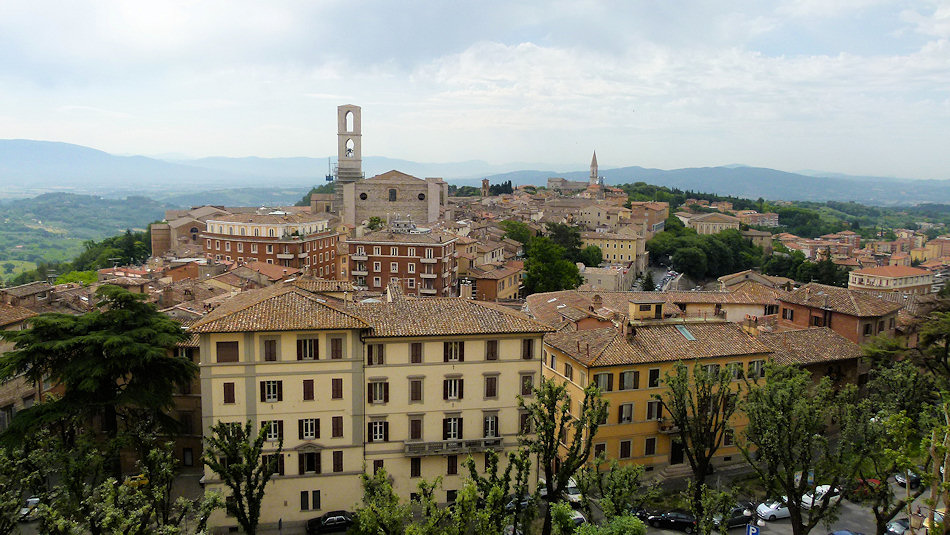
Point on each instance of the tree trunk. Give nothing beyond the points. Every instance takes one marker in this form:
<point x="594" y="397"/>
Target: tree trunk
<point x="110" y="426"/>
<point x="546" y="530"/>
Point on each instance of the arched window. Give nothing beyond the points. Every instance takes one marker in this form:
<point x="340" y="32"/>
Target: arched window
<point x="230" y="229"/>
<point x="392" y="195"/>
<point x="349" y="121"/>
<point x="270" y="232"/>
<point x="257" y="231"/>
<point x="350" y="148"/>
<point x="243" y="231"/>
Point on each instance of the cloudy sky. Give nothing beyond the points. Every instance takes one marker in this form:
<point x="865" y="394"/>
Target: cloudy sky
<point x="851" y="86"/>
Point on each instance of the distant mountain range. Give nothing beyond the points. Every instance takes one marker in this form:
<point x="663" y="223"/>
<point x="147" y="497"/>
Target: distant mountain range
<point x="29" y="168"/>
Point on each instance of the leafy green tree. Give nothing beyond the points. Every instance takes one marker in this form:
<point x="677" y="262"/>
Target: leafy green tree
<point x="691" y="261"/>
<point x="648" y="284"/>
<point x="236" y="455"/>
<point x="712" y="505"/>
<point x="381" y="511"/>
<point x="618" y="525"/>
<point x="559" y="518"/>
<point x="517" y="231"/>
<point x="316" y="190"/>
<point x="8" y="267"/>
<point x="591" y="256"/>
<point x="116" y="357"/>
<point x="620" y="486"/>
<point x="700" y="402"/>
<point x="788" y="444"/>
<point x="566" y="237"/>
<point x="547" y="269"/>
<point x="562" y="440"/>
<point x="18" y="478"/>
<point x="492" y="488"/>
<point x="82" y="277"/>
<point x="375" y="223"/>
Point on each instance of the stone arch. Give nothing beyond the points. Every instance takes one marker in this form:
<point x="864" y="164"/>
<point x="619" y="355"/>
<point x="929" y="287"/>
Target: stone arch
<point x="348" y="121"/>
<point x="350" y="148"/>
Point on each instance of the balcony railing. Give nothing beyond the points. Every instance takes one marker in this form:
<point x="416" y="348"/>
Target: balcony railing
<point x="428" y="275"/>
<point x="359" y="272"/>
<point x="668" y="428"/>
<point x="358" y="257"/>
<point x="285" y="256"/>
<point x="428" y="260"/>
<point x="428" y="291"/>
<point x="450" y="447"/>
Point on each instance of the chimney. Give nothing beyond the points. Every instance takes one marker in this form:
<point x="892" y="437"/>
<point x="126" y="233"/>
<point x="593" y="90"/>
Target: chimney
<point x="465" y="290"/>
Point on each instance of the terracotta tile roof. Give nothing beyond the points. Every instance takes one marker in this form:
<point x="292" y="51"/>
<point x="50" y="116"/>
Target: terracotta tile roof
<point x="494" y="271"/>
<point x="272" y="219"/>
<point x="810" y="346"/>
<point x="758" y="292"/>
<point x="14" y="314"/>
<point x="443" y="316"/>
<point x="387" y="236"/>
<point x="656" y="343"/>
<point x="30" y="288"/>
<point x="840" y="300"/>
<point x="271" y="271"/>
<point x="276" y="308"/>
<point x="318" y="285"/>
<point x="893" y="271"/>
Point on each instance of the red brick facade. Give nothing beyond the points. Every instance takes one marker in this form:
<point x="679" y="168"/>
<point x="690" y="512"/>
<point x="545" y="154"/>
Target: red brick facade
<point x="856" y="329"/>
<point x="316" y="252"/>
<point x="425" y="265"/>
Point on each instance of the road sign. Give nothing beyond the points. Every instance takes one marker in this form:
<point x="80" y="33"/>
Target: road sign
<point x="751" y="530"/>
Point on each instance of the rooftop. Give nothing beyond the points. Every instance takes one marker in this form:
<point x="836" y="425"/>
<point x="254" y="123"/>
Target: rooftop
<point x="840" y="300"/>
<point x="892" y="271"/>
<point x="810" y="346"/>
<point x="14" y="314"/>
<point x="443" y="316"/>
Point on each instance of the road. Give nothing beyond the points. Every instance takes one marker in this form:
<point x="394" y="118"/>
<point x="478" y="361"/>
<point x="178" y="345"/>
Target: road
<point x="852" y="516"/>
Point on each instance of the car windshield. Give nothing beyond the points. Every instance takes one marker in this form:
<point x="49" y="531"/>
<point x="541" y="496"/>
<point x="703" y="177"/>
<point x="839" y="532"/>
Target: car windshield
<point x="774" y="505"/>
<point x="573" y="490"/>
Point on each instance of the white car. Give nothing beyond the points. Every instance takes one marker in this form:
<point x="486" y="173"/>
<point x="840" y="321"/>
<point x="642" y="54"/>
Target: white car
<point x="834" y="496"/>
<point x="772" y="510"/>
<point x="578" y="518"/>
<point x="571" y="492"/>
<point x="26" y="513"/>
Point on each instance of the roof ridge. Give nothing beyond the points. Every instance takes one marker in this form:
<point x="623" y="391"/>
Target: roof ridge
<point x="265" y="294"/>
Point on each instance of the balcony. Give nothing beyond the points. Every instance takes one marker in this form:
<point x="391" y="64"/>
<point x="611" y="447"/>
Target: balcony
<point x="358" y="257"/>
<point x="302" y="255"/>
<point x="668" y="428"/>
<point x="359" y="272"/>
<point x="428" y="275"/>
<point x="428" y="260"/>
<point x="428" y="291"/>
<point x="452" y="447"/>
<point x="285" y="256"/>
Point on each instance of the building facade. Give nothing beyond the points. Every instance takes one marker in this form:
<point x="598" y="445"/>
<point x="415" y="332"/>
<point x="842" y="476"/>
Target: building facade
<point x="712" y="223"/>
<point x="623" y="246"/>
<point x="855" y="315"/>
<point x="423" y="262"/>
<point x="893" y="278"/>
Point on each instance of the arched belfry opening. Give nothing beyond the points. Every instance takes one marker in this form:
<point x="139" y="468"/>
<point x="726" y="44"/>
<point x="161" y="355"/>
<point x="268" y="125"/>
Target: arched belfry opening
<point x="349" y="122"/>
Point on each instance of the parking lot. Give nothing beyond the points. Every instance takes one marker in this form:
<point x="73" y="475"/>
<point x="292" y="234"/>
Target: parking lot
<point x="851" y="516"/>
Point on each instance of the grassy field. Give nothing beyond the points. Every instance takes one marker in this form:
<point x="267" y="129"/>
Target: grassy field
<point x="12" y="268"/>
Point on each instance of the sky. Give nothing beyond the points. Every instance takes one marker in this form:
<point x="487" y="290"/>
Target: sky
<point x="847" y="86"/>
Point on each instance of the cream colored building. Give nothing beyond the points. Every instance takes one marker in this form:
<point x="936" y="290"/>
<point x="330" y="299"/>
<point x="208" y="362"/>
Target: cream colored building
<point x="623" y="246"/>
<point x="412" y="385"/>
<point x="903" y="279"/>
<point x="712" y="223"/>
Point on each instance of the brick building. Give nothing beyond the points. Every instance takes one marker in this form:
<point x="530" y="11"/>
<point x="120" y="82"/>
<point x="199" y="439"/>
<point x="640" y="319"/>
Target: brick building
<point x="423" y="261"/>
<point x="903" y="279"/>
<point x="854" y="315"/>
<point x="301" y="240"/>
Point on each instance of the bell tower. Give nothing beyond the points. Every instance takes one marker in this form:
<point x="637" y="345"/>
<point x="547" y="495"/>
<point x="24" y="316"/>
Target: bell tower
<point x="349" y="144"/>
<point x="593" y="170"/>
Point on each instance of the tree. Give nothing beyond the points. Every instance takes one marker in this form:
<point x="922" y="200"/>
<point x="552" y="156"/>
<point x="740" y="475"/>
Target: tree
<point x="375" y="223"/>
<point x="546" y="269"/>
<point x="82" y="277"/>
<point x="591" y="256"/>
<point x="566" y="237"/>
<point x="235" y="454"/>
<point x="319" y="190"/>
<point x="562" y="439"/>
<point x="700" y="405"/>
<point x="492" y="488"/>
<point x="787" y="440"/>
<point x="619" y="487"/>
<point x="517" y="231"/>
<point x="116" y="357"/>
<point x="618" y="525"/>
<point x="648" y="284"/>
<point x="381" y="511"/>
<point x="18" y="478"/>
<point x="712" y="504"/>
<point x="691" y="261"/>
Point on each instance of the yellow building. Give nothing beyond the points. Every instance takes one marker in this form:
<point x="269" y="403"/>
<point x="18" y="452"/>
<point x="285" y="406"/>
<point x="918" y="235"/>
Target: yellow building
<point x="623" y="246"/>
<point x="712" y="223"/>
<point x="412" y="385"/>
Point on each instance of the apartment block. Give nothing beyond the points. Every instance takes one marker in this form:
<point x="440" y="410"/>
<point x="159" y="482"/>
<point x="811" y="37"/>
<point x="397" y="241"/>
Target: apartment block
<point x="424" y="262"/>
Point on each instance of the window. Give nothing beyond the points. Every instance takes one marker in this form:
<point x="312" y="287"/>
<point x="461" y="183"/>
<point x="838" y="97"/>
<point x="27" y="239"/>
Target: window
<point x="226" y="351"/>
<point x="377" y="266"/>
<point x="374" y="355"/>
<point x="229" y="392"/>
<point x="270" y="248"/>
<point x="270" y="350"/>
<point x="568" y="372"/>
<point x="491" y="386"/>
<point x="451" y="465"/>
<point x="552" y="361"/>
<point x="729" y="438"/>
<point x="524" y="423"/>
<point x="415" y="428"/>
<point x="890" y="324"/>
<point x="392" y="195"/>
<point x="276" y="461"/>
<point x="412" y="252"/>
<point x="308" y="462"/>
<point x="491" y="350"/>
<point x="240" y="245"/>
<point x="254" y="245"/>
<point x="527" y="349"/>
<point x="308" y="349"/>
<point x="880" y="326"/>
<point x="411" y="283"/>
<point x="490" y="426"/>
<point x="654" y="380"/>
<point x="452" y="389"/>
<point x="712" y="370"/>
<point x="227" y="246"/>
<point x="788" y="314"/>
<point x="452" y="428"/>
<point x="453" y="351"/>
<point x="378" y="431"/>
<point x="415" y="389"/>
<point x="336" y="348"/>
<point x="411" y="268"/>
<point x="188" y="457"/>
<point x="451" y="495"/>
<point x="527" y="385"/>
<point x="415" y="352"/>
<point x="624" y="449"/>
<point x="604" y="381"/>
<point x="308" y="389"/>
<point x="629" y="380"/>
<point x="756" y="369"/>
<point x="336" y="427"/>
<point x="653" y="410"/>
<point x="625" y="413"/>
<point x="645" y="308"/>
<point x="309" y="501"/>
<point x="275" y="429"/>
<point x="817" y="321"/>
<point x="415" y="467"/>
<point x="217" y="245"/>
<point x="338" y="461"/>
<point x="868" y="329"/>
<point x="600" y="450"/>
<point x="735" y="370"/>
<point x="393" y="267"/>
<point x="272" y="391"/>
<point x="378" y="392"/>
<point x="336" y="388"/>
<point x="429" y="253"/>
<point x="377" y="250"/>
<point x="308" y="428"/>
<point x="649" y="446"/>
<point x="393" y="251"/>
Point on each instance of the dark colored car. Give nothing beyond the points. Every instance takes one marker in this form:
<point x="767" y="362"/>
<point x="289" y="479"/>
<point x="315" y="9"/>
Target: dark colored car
<point x="678" y="520"/>
<point x="331" y="522"/>
<point x="514" y="499"/>
<point x="902" y="479"/>
<point x="640" y="513"/>
<point x="845" y="532"/>
<point x="740" y="515"/>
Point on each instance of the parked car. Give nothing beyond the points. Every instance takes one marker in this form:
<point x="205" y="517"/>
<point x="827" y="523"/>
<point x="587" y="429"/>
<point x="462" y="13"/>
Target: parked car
<point x="902" y="478"/>
<point x="571" y="492"/>
<point x="898" y="527"/>
<point x="772" y="510"/>
<point x="578" y="518"/>
<point x="845" y="532"/>
<point x="514" y="499"/>
<point x="740" y="515"/>
<point x="677" y="520"/>
<point x="640" y="513"/>
<point x="29" y="510"/>
<point x="833" y="494"/>
<point x="330" y="522"/>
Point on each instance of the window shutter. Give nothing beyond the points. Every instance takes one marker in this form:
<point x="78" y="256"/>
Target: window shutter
<point x="445" y="351"/>
<point x="263" y="391"/>
<point x="301" y="468"/>
<point x="636" y="380"/>
<point x="280" y="391"/>
<point x="318" y="457"/>
<point x="299" y="349"/>
<point x="610" y="382"/>
<point x="280" y="434"/>
<point x="300" y="429"/>
<point x="386" y="392"/>
<point x="461" y="387"/>
<point x="304" y="498"/>
<point x="308" y="389"/>
<point x="445" y="389"/>
<point x="485" y="427"/>
<point x="460" y="435"/>
<point x="620" y="415"/>
<point x="385" y="431"/>
<point x="461" y="351"/>
<point x="316" y="428"/>
<point x="369" y="432"/>
<point x="369" y="393"/>
<point x="445" y="429"/>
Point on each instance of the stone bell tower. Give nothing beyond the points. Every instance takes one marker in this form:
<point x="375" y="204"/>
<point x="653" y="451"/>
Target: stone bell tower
<point x="349" y="154"/>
